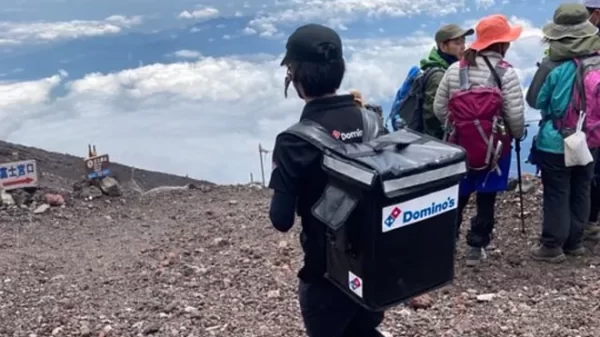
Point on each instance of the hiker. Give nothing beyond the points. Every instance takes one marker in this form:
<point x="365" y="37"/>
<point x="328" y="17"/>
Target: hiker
<point x="571" y="38"/>
<point x="468" y="115"/>
<point x="593" y="8"/>
<point x="414" y="99"/>
<point x="316" y="67"/>
<point x="358" y="98"/>
<point x="360" y="103"/>
<point x="592" y="230"/>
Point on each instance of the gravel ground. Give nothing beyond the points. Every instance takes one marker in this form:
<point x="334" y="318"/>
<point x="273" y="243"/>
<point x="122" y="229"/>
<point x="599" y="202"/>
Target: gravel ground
<point x="206" y="262"/>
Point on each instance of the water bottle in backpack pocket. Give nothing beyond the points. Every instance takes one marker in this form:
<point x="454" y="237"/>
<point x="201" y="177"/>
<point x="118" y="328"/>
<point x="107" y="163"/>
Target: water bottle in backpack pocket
<point x="475" y="120"/>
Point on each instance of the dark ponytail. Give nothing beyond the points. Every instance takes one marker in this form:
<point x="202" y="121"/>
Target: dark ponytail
<point x="469" y="56"/>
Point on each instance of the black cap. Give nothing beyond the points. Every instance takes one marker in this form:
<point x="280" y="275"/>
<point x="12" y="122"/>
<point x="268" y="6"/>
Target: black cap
<point x="313" y="43"/>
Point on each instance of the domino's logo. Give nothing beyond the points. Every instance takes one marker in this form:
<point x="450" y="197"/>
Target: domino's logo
<point x="419" y="209"/>
<point x="355" y="284"/>
<point x="393" y="216"/>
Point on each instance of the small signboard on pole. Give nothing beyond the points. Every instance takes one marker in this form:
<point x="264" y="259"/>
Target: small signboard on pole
<point x="18" y="174"/>
<point x="96" y="166"/>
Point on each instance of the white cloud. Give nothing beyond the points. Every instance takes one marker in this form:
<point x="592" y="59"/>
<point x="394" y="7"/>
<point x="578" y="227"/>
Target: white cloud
<point x="125" y="21"/>
<point x="8" y="42"/>
<point x="200" y="13"/>
<point x="13" y="32"/>
<point x="27" y="93"/>
<point x="336" y="13"/>
<point x="187" y="54"/>
<point x="484" y="4"/>
<point x="203" y="118"/>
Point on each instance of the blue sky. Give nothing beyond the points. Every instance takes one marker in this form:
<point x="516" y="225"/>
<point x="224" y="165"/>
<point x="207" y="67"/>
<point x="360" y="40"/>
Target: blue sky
<point x="193" y="88"/>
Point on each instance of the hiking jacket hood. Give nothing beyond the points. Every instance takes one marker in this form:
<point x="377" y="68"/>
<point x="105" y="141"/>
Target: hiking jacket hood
<point x="513" y="106"/>
<point x="434" y="61"/>
<point x="566" y="49"/>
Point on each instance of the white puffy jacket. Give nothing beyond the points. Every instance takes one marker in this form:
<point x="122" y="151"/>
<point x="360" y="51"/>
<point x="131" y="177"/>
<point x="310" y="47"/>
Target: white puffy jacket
<point x="514" y="106"/>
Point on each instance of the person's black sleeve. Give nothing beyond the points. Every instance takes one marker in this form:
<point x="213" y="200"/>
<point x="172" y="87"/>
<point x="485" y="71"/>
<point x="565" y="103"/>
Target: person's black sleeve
<point x="282" y="211"/>
<point x="291" y="158"/>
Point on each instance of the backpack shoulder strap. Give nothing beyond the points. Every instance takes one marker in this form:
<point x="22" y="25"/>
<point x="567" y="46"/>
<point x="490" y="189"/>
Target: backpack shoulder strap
<point x="579" y="85"/>
<point x="371" y="126"/>
<point x="496" y="72"/>
<point x="427" y="75"/>
<point x="315" y="134"/>
<point x="463" y="74"/>
<point x="430" y="71"/>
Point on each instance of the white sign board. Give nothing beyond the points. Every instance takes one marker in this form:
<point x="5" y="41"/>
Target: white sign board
<point x="18" y="174"/>
<point x="419" y="209"/>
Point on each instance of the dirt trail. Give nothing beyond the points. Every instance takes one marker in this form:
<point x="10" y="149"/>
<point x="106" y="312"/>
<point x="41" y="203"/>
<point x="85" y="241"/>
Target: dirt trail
<point x="206" y="262"/>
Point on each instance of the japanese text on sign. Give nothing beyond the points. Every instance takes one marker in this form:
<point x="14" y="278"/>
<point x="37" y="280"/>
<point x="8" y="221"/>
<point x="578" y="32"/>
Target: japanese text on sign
<point x="97" y="166"/>
<point x="18" y="174"/>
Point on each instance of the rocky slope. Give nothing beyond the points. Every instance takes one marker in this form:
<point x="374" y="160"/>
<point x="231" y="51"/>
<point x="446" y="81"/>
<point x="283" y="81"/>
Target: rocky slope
<point x="206" y="262"/>
<point x="70" y="168"/>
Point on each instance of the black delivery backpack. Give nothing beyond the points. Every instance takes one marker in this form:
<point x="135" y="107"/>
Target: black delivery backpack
<point x="390" y="207"/>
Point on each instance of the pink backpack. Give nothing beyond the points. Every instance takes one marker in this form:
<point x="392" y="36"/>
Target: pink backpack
<point x="476" y="120"/>
<point x="587" y="81"/>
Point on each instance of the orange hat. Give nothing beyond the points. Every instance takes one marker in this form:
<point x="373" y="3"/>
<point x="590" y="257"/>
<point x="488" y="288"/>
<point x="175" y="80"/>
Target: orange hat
<point x="494" y="29"/>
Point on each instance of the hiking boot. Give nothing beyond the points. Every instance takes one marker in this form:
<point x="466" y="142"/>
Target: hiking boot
<point x="577" y="250"/>
<point x="546" y="254"/>
<point x="591" y="232"/>
<point x="474" y="256"/>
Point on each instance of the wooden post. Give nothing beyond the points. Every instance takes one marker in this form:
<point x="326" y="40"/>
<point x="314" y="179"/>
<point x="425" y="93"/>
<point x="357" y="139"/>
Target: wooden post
<point x="262" y="166"/>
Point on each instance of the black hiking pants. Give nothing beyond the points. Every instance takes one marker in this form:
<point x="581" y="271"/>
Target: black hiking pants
<point x="594" y="201"/>
<point x="566" y="200"/>
<point x="328" y="312"/>
<point x="595" y="194"/>
<point x="482" y="224"/>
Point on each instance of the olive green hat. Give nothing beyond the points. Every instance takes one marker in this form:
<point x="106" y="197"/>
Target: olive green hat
<point x="570" y="20"/>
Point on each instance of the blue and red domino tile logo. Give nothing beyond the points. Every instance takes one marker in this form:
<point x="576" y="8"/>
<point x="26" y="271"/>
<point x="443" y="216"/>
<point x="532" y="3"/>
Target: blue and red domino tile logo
<point x="355" y="283"/>
<point x="395" y="214"/>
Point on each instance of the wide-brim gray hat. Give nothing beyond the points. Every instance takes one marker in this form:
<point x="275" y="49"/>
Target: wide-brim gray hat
<point x="570" y="21"/>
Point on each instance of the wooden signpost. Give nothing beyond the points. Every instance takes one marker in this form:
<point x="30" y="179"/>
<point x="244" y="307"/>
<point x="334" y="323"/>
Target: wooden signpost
<point x="96" y="166"/>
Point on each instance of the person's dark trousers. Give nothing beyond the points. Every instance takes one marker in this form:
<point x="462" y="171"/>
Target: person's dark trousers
<point x="328" y="312"/>
<point x="595" y="194"/>
<point x="594" y="201"/>
<point x="566" y="200"/>
<point x="482" y="224"/>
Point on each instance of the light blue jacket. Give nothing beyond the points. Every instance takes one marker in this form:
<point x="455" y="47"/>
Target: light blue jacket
<point x="552" y="100"/>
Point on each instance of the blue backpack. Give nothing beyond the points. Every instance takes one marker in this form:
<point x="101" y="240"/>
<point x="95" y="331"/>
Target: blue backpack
<point x="407" y="108"/>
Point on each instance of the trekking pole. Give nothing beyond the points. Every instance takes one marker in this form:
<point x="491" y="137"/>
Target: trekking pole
<point x="520" y="183"/>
